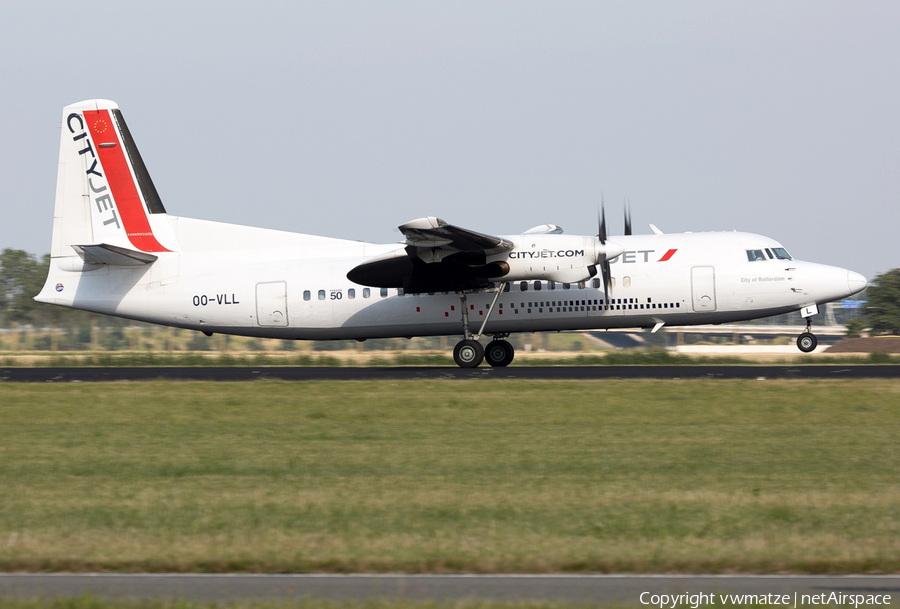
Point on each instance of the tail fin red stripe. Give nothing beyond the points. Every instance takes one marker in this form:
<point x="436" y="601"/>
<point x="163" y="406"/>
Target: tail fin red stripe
<point x="103" y="132"/>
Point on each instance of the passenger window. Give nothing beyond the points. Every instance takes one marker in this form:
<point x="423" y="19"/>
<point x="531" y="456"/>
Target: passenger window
<point x="754" y="255"/>
<point x="612" y="282"/>
<point x="580" y="285"/>
<point x="321" y="294"/>
<point x="400" y="292"/>
<point x="551" y="285"/>
<point x="505" y="287"/>
<point x="596" y="283"/>
<point x="351" y="293"/>
<point x="306" y="295"/>
<point x="537" y="286"/>
<point x="523" y="285"/>
<point x="566" y="286"/>
<point x="626" y="282"/>
<point x="366" y="292"/>
<point x="781" y="253"/>
<point x="384" y="292"/>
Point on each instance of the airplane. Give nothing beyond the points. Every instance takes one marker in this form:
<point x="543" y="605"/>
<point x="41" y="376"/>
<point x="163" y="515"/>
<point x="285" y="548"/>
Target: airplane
<point x="115" y="250"/>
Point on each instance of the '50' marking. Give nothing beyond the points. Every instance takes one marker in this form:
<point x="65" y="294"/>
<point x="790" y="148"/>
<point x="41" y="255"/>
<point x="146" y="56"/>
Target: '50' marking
<point x="201" y="300"/>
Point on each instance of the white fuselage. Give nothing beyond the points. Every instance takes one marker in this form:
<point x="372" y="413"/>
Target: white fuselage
<point x="257" y="282"/>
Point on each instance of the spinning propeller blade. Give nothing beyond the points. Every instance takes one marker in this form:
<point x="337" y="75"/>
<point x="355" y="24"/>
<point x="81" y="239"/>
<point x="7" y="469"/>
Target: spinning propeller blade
<point x="602" y="260"/>
<point x="627" y="216"/>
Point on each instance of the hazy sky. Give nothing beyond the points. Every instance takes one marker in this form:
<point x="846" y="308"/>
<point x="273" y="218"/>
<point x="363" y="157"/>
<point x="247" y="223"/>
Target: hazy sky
<point x="347" y="119"/>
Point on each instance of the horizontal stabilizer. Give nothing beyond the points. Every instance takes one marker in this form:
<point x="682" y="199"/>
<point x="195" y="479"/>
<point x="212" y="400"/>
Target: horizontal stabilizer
<point x="104" y="253"/>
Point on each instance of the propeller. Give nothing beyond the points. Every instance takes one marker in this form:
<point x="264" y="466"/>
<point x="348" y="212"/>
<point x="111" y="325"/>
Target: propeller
<point x="627" y="216"/>
<point x="603" y="257"/>
<point x="608" y="251"/>
<point x="601" y="219"/>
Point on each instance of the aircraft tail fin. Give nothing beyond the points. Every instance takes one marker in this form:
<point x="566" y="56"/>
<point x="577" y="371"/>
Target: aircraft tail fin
<point x="104" y="194"/>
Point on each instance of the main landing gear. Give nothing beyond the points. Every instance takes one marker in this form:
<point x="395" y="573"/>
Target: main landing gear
<point x="807" y="342"/>
<point x="499" y="353"/>
<point x="468" y="353"/>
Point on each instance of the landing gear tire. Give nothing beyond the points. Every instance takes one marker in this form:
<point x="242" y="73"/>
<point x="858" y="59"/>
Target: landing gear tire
<point x="499" y="353"/>
<point x="468" y="353"/>
<point x="807" y="342"/>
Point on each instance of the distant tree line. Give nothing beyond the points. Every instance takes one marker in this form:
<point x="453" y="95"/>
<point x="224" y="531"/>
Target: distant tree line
<point x="882" y="312"/>
<point x="22" y="276"/>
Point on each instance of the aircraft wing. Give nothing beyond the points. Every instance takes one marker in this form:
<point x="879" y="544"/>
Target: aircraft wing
<point x="434" y="240"/>
<point x="438" y="257"/>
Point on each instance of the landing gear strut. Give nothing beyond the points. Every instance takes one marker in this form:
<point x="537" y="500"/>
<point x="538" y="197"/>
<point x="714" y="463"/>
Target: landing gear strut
<point x="468" y="353"/>
<point x="807" y="342"/>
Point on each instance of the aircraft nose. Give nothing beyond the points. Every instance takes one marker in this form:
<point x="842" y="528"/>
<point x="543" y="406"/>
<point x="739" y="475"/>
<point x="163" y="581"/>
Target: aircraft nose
<point x="856" y="282"/>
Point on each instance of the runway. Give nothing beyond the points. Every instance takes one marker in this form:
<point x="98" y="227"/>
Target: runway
<point x="296" y="373"/>
<point x="589" y="589"/>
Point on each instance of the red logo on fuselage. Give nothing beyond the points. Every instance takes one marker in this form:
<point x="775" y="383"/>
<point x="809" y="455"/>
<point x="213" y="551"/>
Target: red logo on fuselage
<point x="668" y="255"/>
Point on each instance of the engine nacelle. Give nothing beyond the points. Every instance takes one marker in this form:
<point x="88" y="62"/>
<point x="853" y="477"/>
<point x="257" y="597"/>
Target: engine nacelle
<point x="554" y="257"/>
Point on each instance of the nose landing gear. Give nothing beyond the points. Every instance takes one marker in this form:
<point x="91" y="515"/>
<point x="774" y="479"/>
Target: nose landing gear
<point x="807" y="342"/>
<point x="468" y="353"/>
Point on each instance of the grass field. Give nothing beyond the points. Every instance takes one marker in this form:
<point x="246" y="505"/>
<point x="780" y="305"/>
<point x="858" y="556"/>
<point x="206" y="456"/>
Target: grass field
<point x="447" y="476"/>
<point x="89" y="602"/>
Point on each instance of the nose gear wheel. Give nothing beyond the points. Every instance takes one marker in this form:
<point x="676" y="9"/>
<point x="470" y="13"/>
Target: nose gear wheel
<point x="807" y="342"/>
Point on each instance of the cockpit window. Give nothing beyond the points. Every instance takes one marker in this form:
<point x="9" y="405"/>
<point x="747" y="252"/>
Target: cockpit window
<point x="754" y="255"/>
<point x="781" y="253"/>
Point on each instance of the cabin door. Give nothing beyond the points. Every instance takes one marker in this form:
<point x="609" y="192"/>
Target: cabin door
<point x="703" y="288"/>
<point x="271" y="304"/>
